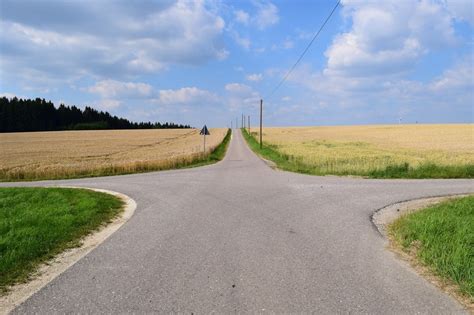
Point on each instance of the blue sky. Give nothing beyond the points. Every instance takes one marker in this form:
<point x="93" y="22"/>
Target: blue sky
<point x="202" y="62"/>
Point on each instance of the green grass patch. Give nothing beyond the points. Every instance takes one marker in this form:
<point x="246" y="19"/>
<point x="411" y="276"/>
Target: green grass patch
<point x="38" y="223"/>
<point x="442" y="237"/>
<point x="427" y="170"/>
<point x="294" y="164"/>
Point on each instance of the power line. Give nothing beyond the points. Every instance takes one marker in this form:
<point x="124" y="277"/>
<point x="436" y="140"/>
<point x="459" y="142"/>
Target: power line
<point x="305" y="50"/>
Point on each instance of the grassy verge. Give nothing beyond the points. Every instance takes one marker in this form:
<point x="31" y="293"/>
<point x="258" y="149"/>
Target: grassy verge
<point x="192" y="160"/>
<point x="294" y="164"/>
<point x="442" y="238"/>
<point x="216" y="154"/>
<point x="38" y="223"/>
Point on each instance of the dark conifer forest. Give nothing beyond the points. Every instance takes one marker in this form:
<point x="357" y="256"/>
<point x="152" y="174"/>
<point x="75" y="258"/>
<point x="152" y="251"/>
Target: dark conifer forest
<point x="39" y="115"/>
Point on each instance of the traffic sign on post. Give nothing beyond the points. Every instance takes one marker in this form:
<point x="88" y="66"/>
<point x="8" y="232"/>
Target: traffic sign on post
<point x="204" y="132"/>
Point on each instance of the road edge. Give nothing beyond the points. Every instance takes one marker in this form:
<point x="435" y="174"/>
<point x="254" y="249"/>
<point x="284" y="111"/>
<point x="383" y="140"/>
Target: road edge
<point x="48" y="271"/>
<point x="383" y="217"/>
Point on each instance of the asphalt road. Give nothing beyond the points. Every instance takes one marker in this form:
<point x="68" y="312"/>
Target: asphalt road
<point x="238" y="236"/>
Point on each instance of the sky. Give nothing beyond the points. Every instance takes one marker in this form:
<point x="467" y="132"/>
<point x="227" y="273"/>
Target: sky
<point x="207" y="62"/>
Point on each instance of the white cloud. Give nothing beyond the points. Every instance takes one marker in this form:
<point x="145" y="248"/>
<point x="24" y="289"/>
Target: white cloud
<point x="254" y="77"/>
<point x="242" y="17"/>
<point x="241" y="41"/>
<point x="68" y="40"/>
<point x="267" y="15"/>
<point x="185" y="95"/>
<point x="388" y="37"/>
<point x="264" y="15"/>
<point x="241" y="97"/>
<point x="288" y="44"/>
<point x="462" y="9"/>
<point x="11" y="95"/>
<point x="112" y="88"/>
<point x="460" y="76"/>
<point x="238" y="88"/>
<point x="108" y="104"/>
<point x="388" y="97"/>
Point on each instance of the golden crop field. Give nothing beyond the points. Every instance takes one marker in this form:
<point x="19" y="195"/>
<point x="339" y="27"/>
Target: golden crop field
<point x="359" y="150"/>
<point x="63" y="154"/>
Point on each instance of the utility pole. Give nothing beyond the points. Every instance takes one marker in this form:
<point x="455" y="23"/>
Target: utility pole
<point x="261" y="113"/>
<point x="242" y="124"/>
<point x="236" y="123"/>
<point x="231" y="124"/>
<point x="248" y="125"/>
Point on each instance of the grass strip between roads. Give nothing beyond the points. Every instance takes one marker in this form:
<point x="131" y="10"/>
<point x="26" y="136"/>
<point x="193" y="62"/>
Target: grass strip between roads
<point x="213" y="155"/>
<point x="442" y="238"/>
<point x="294" y="164"/>
<point x="38" y="223"/>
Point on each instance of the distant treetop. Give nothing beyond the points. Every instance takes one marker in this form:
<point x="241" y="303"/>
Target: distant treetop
<point x="39" y="115"/>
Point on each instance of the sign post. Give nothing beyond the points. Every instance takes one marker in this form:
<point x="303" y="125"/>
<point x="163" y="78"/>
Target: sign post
<point x="204" y="132"/>
<point x="248" y="125"/>
<point x="261" y="112"/>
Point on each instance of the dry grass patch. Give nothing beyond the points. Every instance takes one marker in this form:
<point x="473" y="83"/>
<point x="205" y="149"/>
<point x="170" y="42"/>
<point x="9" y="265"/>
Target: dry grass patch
<point x="66" y="154"/>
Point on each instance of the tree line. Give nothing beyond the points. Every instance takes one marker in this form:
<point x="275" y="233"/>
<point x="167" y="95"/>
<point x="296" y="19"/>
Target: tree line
<point x="40" y="115"/>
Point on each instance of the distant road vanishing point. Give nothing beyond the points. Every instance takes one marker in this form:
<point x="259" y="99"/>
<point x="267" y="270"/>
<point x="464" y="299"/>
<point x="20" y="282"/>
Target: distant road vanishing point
<point x="238" y="236"/>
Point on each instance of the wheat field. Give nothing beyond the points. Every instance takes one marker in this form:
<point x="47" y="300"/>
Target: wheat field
<point x="66" y="154"/>
<point x="359" y="150"/>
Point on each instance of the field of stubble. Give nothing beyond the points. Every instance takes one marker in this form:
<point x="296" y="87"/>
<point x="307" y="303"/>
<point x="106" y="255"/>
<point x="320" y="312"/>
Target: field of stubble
<point x="436" y="151"/>
<point x="68" y="154"/>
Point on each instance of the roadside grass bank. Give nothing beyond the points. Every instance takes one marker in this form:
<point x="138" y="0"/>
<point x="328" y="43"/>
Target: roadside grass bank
<point x="345" y="166"/>
<point x="216" y="154"/>
<point x="38" y="223"/>
<point x="441" y="237"/>
<point x="213" y="154"/>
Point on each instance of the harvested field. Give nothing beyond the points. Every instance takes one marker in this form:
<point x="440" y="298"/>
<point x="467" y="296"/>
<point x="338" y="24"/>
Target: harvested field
<point x="67" y="154"/>
<point x="377" y="150"/>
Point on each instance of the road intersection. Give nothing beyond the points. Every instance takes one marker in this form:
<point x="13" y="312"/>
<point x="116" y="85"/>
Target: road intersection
<point x="238" y="236"/>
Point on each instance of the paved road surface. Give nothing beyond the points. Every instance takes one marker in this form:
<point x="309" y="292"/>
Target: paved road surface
<point x="239" y="237"/>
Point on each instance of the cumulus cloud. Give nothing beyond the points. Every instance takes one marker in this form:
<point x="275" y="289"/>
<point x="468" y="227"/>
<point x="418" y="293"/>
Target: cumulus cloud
<point x="113" y="88"/>
<point x="462" y="9"/>
<point x="240" y="97"/>
<point x="66" y="39"/>
<point x="238" y="88"/>
<point x="369" y="66"/>
<point x="388" y="37"/>
<point x="242" y="17"/>
<point x="254" y="77"/>
<point x="244" y="42"/>
<point x="267" y="15"/>
<point x="185" y="95"/>
<point x="108" y="104"/>
<point x="11" y="95"/>
<point x="460" y="76"/>
<point x="385" y="41"/>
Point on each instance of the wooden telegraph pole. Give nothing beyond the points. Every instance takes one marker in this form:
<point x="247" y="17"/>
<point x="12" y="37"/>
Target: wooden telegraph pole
<point x="248" y="125"/>
<point x="261" y="113"/>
